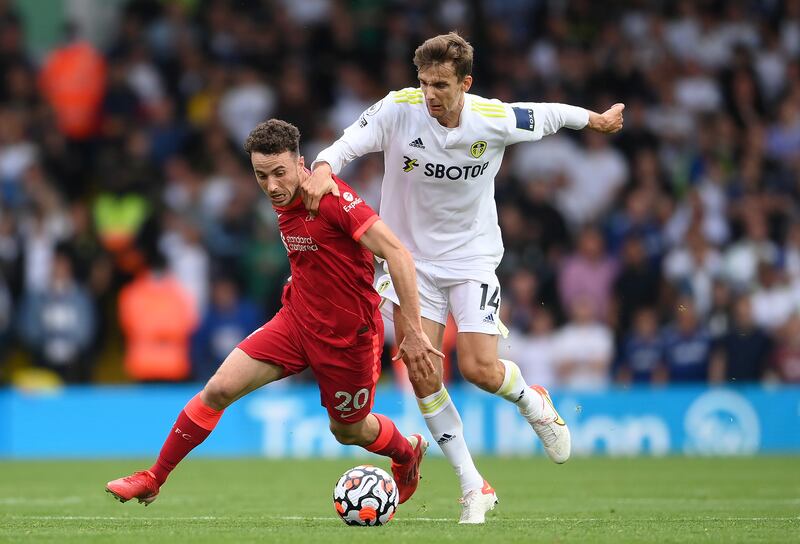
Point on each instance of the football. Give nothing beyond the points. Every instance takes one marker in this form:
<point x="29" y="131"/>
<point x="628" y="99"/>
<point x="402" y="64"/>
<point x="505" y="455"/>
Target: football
<point x="365" y="495"/>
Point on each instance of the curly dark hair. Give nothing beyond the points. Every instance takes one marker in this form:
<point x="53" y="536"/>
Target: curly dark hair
<point x="273" y="137"/>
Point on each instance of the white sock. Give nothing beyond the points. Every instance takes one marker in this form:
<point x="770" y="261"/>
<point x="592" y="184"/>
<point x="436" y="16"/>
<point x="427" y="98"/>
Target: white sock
<point x="446" y="428"/>
<point x="514" y="389"/>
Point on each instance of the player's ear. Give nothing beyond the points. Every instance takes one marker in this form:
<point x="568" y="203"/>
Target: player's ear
<point x="301" y="162"/>
<point x="466" y="84"/>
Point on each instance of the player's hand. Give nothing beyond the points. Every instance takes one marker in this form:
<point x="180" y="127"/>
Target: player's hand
<point x="609" y="122"/>
<point x="317" y="185"/>
<point x="416" y="349"/>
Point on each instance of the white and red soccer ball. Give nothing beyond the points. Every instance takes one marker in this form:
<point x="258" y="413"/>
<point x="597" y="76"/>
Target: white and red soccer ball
<point x="365" y="495"/>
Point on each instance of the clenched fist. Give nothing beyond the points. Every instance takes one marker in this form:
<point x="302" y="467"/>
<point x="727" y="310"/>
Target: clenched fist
<point x="609" y="122"/>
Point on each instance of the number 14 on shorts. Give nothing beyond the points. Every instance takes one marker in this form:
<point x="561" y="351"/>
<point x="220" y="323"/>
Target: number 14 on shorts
<point x="493" y="301"/>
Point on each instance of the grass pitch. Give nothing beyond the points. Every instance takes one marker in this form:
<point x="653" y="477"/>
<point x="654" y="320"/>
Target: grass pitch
<point x="252" y="500"/>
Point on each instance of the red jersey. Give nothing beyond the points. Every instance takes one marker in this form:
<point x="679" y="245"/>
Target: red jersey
<point x="330" y="292"/>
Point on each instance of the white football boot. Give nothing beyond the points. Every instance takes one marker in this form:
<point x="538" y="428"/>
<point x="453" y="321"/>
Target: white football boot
<point x="476" y="503"/>
<point x="552" y="430"/>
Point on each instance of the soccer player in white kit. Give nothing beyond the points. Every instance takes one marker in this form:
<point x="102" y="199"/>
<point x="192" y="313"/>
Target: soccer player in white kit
<point x="442" y="149"/>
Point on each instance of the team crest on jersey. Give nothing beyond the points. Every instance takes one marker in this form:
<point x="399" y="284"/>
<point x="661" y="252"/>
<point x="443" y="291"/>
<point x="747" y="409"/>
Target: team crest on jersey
<point x="409" y="164"/>
<point x="477" y="149"/>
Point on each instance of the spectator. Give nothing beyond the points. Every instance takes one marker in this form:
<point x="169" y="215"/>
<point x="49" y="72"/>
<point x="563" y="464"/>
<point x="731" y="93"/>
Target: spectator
<point x="744" y="353"/>
<point x="687" y="345"/>
<point x="120" y="104"/>
<point x="742" y="258"/>
<point x="588" y="275"/>
<point x="636" y="219"/>
<point x="520" y="252"/>
<point x="187" y="259"/>
<point x="548" y="159"/>
<point x="786" y="361"/>
<point x="154" y="120"/>
<point x="641" y="359"/>
<point x="168" y="133"/>
<point x="547" y="225"/>
<point x="696" y="213"/>
<point x="791" y="252"/>
<point x="245" y="104"/>
<point x="119" y="213"/>
<point x="228" y="319"/>
<point x="6" y="319"/>
<point x="265" y="268"/>
<point x="522" y="295"/>
<point x="594" y="179"/>
<point x="73" y="80"/>
<point x="93" y="269"/>
<point x="584" y="349"/>
<point x="533" y="349"/>
<point x="57" y="323"/>
<point x="637" y="138"/>
<point x="10" y="251"/>
<point x="17" y="154"/>
<point x="638" y="284"/>
<point x="157" y="316"/>
<point x="692" y="270"/>
<point x="783" y="138"/>
<point x="774" y="299"/>
<point x="40" y="235"/>
<point x="719" y="315"/>
<point x="143" y="76"/>
<point x="696" y="91"/>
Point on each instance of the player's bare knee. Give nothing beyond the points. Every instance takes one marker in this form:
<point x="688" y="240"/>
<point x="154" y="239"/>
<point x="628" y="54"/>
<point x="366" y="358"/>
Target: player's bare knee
<point x="345" y="434"/>
<point x="479" y="371"/>
<point x="217" y="394"/>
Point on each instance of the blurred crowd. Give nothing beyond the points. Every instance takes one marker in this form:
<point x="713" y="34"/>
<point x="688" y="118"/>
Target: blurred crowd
<point x="133" y="237"/>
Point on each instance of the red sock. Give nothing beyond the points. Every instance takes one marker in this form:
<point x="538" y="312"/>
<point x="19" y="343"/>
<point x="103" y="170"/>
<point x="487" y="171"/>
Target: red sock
<point x="194" y="424"/>
<point x="390" y="442"/>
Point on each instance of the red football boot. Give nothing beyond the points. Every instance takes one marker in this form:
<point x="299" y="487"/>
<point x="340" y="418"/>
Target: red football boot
<point x="406" y="475"/>
<point x="140" y="485"/>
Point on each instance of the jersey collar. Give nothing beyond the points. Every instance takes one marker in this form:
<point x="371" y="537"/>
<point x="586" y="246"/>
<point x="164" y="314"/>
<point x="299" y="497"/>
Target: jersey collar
<point x="295" y="203"/>
<point x="447" y="131"/>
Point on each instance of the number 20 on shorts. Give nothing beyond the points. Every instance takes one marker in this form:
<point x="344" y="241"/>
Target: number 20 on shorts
<point x="351" y="402"/>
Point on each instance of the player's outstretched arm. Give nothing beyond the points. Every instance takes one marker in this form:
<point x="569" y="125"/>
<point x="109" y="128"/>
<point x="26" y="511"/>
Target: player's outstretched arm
<point x="365" y="135"/>
<point x="608" y="122"/>
<point x="416" y="347"/>
<point x="532" y="121"/>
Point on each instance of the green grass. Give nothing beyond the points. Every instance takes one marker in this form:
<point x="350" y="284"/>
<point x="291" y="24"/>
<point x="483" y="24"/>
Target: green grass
<point x="252" y="500"/>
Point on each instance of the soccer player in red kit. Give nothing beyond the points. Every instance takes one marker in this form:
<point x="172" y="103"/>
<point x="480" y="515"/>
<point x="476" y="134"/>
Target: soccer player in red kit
<point x="329" y="321"/>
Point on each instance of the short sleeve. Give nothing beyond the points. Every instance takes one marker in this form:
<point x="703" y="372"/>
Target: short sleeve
<point x="348" y="212"/>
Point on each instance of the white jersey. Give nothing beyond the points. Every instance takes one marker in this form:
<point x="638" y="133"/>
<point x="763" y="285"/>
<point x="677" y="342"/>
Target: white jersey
<point x="438" y="185"/>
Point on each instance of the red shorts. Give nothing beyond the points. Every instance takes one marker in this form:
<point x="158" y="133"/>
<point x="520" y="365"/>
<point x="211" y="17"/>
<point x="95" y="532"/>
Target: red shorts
<point x="346" y="377"/>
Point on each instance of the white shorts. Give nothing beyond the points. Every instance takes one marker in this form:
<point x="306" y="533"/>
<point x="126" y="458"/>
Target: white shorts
<point x="472" y="296"/>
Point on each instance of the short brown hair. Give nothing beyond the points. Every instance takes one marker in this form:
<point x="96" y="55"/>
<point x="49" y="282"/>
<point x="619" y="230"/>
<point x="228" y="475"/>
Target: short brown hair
<point x="273" y="137"/>
<point x="450" y="47"/>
